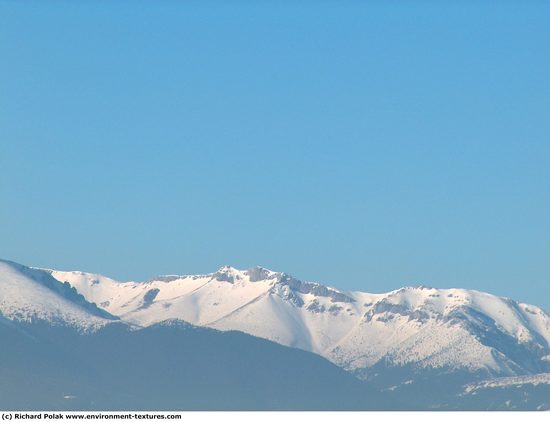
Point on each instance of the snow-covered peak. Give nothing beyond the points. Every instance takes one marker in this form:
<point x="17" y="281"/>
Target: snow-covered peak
<point x="278" y="281"/>
<point x="224" y="273"/>
<point x="453" y="329"/>
<point x="252" y="275"/>
<point x="446" y="304"/>
<point x="258" y="273"/>
<point x="31" y="295"/>
<point x="421" y="325"/>
<point x="229" y="274"/>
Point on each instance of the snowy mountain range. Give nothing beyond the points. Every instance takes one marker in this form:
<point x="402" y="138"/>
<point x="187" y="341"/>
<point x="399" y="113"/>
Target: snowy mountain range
<point x="60" y="352"/>
<point x="398" y="341"/>
<point x="426" y="327"/>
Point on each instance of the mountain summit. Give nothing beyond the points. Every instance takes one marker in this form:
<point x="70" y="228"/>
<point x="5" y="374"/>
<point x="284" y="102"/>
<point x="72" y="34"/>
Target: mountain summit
<point x="422" y="346"/>
<point x="415" y="327"/>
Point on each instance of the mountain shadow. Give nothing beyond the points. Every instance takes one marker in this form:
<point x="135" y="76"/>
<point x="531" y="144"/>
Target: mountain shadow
<point x="168" y="366"/>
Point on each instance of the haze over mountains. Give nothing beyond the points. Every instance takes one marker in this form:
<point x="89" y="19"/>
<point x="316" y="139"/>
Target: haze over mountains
<point x="416" y="347"/>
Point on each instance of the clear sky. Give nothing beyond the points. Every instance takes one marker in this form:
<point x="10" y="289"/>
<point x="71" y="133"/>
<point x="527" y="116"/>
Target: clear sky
<point x="366" y="145"/>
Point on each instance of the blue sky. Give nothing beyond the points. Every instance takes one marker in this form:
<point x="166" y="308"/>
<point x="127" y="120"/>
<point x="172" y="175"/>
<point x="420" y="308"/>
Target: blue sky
<point x="367" y="145"/>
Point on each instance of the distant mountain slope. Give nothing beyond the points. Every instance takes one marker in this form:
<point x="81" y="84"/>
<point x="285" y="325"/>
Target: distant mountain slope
<point x="422" y="328"/>
<point x="167" y="366"/>
<point x="511" y="393"/>
<point x="29" y="295"/>
<point x="413" y="348"/>
<point x="60" y="351"/>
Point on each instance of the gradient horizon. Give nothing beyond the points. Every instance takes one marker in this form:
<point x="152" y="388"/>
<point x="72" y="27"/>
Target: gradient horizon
<point x="363" y="145"/>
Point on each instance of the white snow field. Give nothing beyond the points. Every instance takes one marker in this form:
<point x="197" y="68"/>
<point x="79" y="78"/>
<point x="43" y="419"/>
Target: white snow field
<point x="426" y="327"/>
<point x="31" y="295"/>
<point x="534" y="380"/>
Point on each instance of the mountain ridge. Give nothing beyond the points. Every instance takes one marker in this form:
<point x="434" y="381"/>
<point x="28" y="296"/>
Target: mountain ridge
<point x="424" y="326"/>
<point x="420" y="346"/>
<point x="29" y="294"/>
